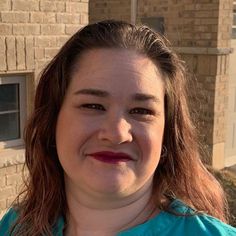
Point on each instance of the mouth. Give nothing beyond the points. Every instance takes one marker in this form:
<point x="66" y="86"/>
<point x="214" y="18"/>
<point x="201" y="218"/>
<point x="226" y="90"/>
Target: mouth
<point x="110" y="157"/>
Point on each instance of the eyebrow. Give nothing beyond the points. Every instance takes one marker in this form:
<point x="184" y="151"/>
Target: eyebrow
<point x="142" y="97"/>
<point x="94" y="92"/>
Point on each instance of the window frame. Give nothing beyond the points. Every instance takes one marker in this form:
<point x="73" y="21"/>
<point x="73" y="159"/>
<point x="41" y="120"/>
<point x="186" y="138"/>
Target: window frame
<point x="21" y="81"/>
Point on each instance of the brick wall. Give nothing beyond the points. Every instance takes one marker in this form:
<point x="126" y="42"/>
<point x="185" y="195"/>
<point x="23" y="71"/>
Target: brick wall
<point x="206" y="52"/>
<point x="10" y="185"/>
<point x="190" y="23"/>
<point x="225" y="23"/>
<point x="113" y="9"/>
<point x="31" y="32"/>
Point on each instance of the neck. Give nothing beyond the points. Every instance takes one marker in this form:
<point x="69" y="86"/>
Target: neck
<point x="87" y="219"/>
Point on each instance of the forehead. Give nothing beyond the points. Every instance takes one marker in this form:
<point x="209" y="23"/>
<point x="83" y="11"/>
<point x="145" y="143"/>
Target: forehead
<point x="111" y="69"/>
<point x="110" y="59"/>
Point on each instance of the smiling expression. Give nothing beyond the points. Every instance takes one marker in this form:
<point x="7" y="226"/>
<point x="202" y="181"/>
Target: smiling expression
<point x="110" y="127"/>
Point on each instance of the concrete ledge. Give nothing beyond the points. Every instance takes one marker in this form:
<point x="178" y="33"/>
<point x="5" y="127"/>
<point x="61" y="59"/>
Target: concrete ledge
<point x="203" y="51"/>
<point x="230" y="161"/>
<point x="12" y="156"/>
<point x="218" y="156"/>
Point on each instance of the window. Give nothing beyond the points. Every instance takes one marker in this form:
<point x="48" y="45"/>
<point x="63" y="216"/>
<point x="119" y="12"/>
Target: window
<point x="12" y="110"/>
<point x="156" y="23"/>
<point x="234" y="21"/>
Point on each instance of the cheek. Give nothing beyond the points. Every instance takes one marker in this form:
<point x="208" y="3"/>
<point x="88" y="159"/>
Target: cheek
<point x="66" y="133"/>
<point x="150" y="142"/>
<point x="72" y="131"/>
<point x="71" y="134"/>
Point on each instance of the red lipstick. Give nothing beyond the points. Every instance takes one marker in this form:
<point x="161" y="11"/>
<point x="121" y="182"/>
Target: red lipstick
<point x="111" y="157"/>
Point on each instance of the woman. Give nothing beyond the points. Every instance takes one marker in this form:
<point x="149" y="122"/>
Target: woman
<point x="110" y="146"/>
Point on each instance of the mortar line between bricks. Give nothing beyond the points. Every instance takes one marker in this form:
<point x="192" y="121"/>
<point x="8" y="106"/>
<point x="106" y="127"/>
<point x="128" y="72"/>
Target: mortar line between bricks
<point x="16" y="52"/>
<point x="25" y="50"/>
<point x="7" y="67"/>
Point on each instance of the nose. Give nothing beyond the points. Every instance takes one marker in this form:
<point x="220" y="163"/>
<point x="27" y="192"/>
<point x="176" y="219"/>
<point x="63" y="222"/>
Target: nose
<point x="116" y="130"/>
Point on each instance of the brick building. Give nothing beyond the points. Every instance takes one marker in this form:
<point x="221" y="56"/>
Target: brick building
<point x="32" y="31"/>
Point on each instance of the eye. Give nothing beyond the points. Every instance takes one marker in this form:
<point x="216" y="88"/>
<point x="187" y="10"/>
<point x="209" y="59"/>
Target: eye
<point x="141" y="111"/>
<point x="93" y="106"/>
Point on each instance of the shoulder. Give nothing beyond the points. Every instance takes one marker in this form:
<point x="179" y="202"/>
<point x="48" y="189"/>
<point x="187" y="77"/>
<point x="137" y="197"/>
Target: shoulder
<point x="198" y="223"/>
<point x="181" y="220"/>
<point x="210" y="226"/>
<point x="8" y="221"/>
<point x="204" y="225"/>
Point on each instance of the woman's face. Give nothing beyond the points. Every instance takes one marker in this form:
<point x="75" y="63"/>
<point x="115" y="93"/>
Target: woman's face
<point x="110" y="127"/>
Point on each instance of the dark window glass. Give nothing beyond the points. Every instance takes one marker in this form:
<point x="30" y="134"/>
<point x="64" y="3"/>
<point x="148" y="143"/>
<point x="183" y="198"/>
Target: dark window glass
<point x="9" y="97"/>
<point x="9" y="112"/>
<point x="9" y="126"/>
<point x="156" y="23"/>
<point x="234" y="33"/>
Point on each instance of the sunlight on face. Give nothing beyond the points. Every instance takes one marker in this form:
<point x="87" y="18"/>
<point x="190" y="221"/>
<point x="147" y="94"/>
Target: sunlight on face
<point x="110" y="127"/>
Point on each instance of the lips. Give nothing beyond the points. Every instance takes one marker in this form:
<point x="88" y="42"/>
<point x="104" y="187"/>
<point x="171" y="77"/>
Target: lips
<point x="110" y="157"/>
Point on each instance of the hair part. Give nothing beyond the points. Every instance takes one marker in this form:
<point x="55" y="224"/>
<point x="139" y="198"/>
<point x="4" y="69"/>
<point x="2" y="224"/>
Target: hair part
<point x="179" y="173"/>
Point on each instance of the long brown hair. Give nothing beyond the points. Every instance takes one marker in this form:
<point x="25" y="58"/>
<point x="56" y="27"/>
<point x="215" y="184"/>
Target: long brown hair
<point x="180" y="171"/>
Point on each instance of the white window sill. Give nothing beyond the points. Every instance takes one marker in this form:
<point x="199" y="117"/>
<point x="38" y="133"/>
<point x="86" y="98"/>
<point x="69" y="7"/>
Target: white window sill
<point x="12" y="156"/>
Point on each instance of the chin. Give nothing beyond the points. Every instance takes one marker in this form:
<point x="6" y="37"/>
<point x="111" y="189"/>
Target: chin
<point x="113" y="188"/>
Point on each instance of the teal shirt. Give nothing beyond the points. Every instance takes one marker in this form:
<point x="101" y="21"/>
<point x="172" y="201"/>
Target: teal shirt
<point x="164" y="224"/>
